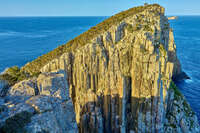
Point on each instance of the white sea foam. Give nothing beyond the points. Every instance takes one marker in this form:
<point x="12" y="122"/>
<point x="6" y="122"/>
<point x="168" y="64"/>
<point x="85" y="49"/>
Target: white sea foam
<point x="4" y="71"/>
<point x="47" y="31"/>
<point x="34" y="36"/>
<point x="26" y="35"/>
<point x="189" y="81"/>
<point x="10" y="33"/>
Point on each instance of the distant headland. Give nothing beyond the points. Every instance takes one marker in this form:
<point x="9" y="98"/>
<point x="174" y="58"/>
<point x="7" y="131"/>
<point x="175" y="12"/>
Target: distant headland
<point x="172" y="18"/>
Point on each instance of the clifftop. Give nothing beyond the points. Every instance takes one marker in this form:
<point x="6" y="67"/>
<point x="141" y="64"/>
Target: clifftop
<point x="35" y="66"/>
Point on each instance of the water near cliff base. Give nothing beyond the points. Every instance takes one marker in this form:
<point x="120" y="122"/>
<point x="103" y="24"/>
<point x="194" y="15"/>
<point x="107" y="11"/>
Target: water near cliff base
<point x="24" y="39"/>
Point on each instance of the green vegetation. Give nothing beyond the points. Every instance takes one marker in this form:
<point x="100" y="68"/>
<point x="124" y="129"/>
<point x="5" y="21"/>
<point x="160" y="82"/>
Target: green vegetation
<point x="192" y="124"/>
<point x="16" y="123"/>
<point x="166" y="26"/>
<point x="177" y="93"/>
<point x="180" y="108"/>
<point x="13" y="75"/>
<point x="178" y="96"/>
<point x="173" y="125"/>
<point x="36" y="65"/>
<point x="188" y="109"/>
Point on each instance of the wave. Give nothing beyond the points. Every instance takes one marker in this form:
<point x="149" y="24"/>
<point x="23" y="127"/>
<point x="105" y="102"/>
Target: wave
<point x="187" y="38"/>
<point x="41" y="33"/>
<point x="188" y="81"/>
<point x="10" y="33"/>
<point x="26" y="35"/>
<point x="4" y="70"/>
<point x="34" y="36"/>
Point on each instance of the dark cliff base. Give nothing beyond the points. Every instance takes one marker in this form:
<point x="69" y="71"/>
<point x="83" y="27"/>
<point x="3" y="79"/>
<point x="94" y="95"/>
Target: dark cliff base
<point x="180" y="77"/>
<point x="106" y="115"/>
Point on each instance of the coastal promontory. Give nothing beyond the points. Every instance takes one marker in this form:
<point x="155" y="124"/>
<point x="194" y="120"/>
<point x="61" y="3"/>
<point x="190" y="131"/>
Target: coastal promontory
<point x="117" y="77"/>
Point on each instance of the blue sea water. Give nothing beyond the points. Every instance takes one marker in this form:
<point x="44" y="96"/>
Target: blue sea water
<point x="187" y="38"/>
<point x="23" y="39"/>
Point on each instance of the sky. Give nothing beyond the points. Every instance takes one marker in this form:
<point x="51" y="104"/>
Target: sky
<point x="90" y="7"/>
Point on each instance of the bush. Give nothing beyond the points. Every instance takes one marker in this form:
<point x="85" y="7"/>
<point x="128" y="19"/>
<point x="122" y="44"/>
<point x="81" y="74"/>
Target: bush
<point x="13" y="75"/>
<point x="177" y="93"/>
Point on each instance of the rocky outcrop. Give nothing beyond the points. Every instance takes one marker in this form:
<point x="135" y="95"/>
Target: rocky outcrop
<point x="24" y="88"/>
<point x="38" y="105"/>
<point x="119" y="81"/>
<point x="179" y="116"/>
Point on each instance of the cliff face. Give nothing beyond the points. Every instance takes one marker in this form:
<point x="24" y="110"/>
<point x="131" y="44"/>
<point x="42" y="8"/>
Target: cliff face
<point x="121" y="79"/>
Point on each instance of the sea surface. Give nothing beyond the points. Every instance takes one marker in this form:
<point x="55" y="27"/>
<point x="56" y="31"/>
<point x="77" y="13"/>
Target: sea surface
<point x="22" y="39"/>
<point x="187" y="38"/>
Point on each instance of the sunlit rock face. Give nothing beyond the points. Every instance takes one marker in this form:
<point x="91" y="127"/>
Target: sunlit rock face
<point x="119" y="82"/>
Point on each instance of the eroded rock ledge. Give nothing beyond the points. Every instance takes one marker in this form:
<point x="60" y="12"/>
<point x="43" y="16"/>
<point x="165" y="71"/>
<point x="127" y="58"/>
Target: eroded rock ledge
<point x="120" y="81"/>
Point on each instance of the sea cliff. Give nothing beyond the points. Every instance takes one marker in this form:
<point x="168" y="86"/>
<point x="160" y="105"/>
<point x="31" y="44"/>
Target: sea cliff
<point x="117" y="77"/>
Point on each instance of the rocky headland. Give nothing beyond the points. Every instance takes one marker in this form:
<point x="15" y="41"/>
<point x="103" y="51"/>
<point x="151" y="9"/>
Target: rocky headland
<point x="118" y="77"/>
<point x="172" y="18"/>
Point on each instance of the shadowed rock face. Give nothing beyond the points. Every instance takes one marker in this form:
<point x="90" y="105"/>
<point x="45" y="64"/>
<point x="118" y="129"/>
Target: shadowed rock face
<point x="120" y="82"/>
<point x="3" y="88"/>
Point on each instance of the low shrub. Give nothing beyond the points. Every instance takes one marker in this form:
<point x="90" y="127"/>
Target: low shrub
<point x="13" y="75"/>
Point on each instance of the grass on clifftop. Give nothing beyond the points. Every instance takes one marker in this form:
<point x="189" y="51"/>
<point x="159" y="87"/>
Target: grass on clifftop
<point x="35" y="66"/>
<point x="13" y="75"/>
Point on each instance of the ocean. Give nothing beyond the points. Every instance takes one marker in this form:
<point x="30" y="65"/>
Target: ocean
<point x="23" y="39"/>
<point x="187" y="39"/>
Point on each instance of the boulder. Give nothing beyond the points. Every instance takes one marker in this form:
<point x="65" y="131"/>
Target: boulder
<point x="53" y="84"/>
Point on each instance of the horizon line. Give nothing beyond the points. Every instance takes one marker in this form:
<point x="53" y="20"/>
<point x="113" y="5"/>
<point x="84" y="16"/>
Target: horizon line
<point x="97" y="15"/>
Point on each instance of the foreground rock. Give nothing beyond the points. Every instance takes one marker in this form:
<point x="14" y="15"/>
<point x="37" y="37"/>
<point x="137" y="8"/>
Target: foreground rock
<point x="3" y="88"/>
<point x="118" y="82"/>
<point x="30" y="108"/>
<point x="179" y="116"/>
